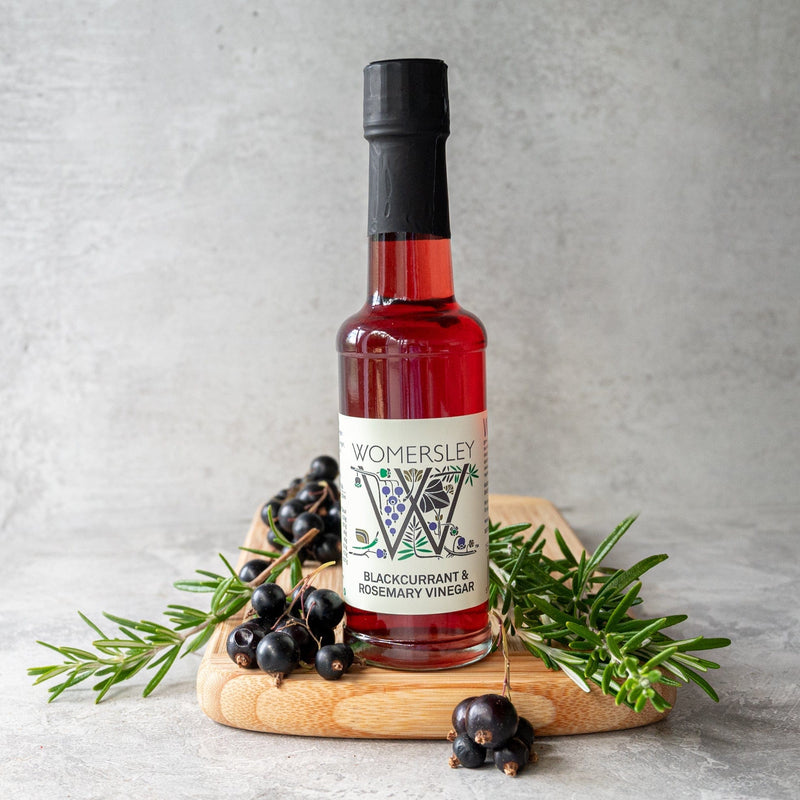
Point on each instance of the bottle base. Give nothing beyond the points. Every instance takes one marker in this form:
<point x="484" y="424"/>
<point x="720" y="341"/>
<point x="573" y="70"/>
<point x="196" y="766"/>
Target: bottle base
<point x="457" y="651"/>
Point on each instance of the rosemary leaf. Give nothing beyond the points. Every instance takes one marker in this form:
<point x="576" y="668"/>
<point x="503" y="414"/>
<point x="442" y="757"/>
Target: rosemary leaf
<point x="145" y="644"/>
<point x="168" y="660"/>
<point x="554" y="609"/>
<point x="623" y="606"/>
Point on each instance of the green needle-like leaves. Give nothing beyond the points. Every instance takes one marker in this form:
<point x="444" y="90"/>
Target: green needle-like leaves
<point x="143" y="644"/>
<point x="136" y="645"/>
<point x="573" y="613"/>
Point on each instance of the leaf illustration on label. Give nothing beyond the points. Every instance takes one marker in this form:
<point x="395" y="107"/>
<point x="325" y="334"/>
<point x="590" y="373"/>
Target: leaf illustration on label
<point x="362" y="536"/>
<point x="435" y="496"/>
<point x="412" y="475"/>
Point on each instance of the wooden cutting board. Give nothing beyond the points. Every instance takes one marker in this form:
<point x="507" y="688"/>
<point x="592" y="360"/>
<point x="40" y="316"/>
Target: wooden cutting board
<point x="375" y="703"/>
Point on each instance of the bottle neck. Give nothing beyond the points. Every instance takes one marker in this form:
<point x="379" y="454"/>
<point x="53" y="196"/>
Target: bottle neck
<point x="409" y="267"/>
<point x="409" y="219"/>
<point x="408" y="185"/>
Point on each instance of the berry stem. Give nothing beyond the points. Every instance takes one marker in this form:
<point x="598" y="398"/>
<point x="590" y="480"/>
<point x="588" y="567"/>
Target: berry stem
<point x="306" y="581"/>
<point x="284" y="557"/>
<point x="327" y="493"/>
<point x="503" y="637"/>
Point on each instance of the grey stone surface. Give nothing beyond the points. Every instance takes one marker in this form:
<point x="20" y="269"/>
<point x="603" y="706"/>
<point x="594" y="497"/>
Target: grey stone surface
<point x="732" y="576"/>
<point x="182" y="218"/>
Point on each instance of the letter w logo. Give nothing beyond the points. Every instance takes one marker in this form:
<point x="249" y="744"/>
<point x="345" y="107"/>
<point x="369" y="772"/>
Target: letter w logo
<point x="414" y="505"/>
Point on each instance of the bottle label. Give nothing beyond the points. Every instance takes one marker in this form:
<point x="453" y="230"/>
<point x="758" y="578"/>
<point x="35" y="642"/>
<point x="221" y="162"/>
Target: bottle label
<point x="415" y="513"/>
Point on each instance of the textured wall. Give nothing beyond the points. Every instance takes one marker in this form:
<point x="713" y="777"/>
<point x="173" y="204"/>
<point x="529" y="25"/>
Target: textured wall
<point x="182" y="218"/>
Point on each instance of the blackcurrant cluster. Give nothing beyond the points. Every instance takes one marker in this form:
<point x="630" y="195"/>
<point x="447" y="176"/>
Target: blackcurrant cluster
<point x="309" y="502"/>
<point x="288" y="631"/>
<point x="489" y="725"/>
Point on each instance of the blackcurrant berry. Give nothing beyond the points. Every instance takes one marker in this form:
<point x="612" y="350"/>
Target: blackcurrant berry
<point x="287" y="514"/>
<point x="326" y="547"/>
<point x="323" y="468"/>
<point x="306" y="645"/>
<point x="333" y="519"/>
<point x="325" y="637"/>
<point x="459" y="718"/>
<point x="252" y="569"/>
<point x="525" y="732"/>
<point x="324" y="608"/>
<point x="263" y="624"/>
<point x="333" y="660"/>
<point x="312" y="493"/>
<point x="467" y="753"/>
<point x="272" y="538"/>
<point x="242" y="643"/>
<point x="277" y="652"/>
<point x="491" y="720"/>
<point x="512" y="756"/>
<point x="347" y="654"/>
<point x="273" y="506"/>
<point x="269" y="601"/>
<point x="295" y="602"/>
<point x="305" y="522"/>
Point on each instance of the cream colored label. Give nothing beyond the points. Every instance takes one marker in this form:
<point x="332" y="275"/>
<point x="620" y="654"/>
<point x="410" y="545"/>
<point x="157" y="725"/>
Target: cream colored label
<point x="415" y="513"/>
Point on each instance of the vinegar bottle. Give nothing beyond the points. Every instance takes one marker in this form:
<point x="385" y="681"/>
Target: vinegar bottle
<point x="412" y="397"/>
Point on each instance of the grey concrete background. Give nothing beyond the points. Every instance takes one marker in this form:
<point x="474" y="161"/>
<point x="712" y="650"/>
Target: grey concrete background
<point x="182" y="228"/>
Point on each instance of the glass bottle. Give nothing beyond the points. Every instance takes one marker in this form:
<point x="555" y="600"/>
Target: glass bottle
<point x="412" y="401"/>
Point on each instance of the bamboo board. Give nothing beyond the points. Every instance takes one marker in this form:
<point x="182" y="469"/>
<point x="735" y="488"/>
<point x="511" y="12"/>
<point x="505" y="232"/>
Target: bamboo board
<point x="374" y="703"/>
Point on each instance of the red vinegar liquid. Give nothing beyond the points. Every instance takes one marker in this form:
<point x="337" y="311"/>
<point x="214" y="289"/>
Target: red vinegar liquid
<point x="412" y="353"/>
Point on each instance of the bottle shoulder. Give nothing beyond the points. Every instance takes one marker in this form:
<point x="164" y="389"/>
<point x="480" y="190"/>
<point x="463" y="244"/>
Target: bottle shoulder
<point x="411" y="328"/>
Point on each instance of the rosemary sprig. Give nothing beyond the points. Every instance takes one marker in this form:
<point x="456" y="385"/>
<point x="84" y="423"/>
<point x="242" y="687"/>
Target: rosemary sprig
<point x="142" y="644"/>
<point x="573" y="614"/>
<point x="570" y="612"/>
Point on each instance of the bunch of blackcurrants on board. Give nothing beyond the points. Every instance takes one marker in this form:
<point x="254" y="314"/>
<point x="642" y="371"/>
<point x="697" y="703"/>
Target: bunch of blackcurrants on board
<point x="489" y="725"/>
<point x="309" y="502"/>
<point x="288" y="631"/>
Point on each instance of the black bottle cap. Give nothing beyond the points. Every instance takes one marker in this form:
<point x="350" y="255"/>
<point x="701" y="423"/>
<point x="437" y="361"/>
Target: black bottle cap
<point x="406" y="96"/>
